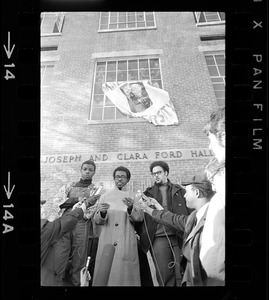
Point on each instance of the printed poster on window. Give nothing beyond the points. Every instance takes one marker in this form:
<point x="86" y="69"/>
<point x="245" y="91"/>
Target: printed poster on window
<point x="141" y="100"/>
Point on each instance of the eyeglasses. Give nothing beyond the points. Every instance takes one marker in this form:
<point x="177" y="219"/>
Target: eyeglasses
<point x="157" y="173"/>
<point x="120" y="177"/>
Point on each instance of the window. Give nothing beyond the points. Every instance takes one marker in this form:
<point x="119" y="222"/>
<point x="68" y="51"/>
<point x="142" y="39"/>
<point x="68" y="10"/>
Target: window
<point x="119" y="71"/>
<point x="110" y="21"/>
<point x="216" y="68"/>
<point x="46" y="73"/>
<point x="51" y="23"/>
<point x="207" y="18"/>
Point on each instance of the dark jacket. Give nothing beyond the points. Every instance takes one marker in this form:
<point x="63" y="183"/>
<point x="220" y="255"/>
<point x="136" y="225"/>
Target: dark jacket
<point x="191" y="240"/>
<point x="72" y="248"/>
<point x="51" y="232"/>
<point x="175" y="203"/>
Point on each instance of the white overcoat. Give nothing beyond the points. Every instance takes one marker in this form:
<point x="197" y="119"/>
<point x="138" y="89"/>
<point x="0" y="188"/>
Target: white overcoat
<point x="117" y="229"/>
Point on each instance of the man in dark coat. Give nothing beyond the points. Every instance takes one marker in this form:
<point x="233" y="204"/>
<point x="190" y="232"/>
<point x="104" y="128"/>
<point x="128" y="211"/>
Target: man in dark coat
<point x="162" y="241"/>
<point x="72" y="249"/>
<point x="198" y="194"/>
<point x="51" y="232"/>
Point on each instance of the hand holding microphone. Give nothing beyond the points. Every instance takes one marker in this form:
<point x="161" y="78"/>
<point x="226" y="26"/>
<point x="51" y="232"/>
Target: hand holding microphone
<point x="129" y="202"/>
<point x="91" y="200"/>
<point x="149" y="203"/>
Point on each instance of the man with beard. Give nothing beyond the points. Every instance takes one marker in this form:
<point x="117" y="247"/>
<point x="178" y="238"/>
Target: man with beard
<point x="162" y="241"/>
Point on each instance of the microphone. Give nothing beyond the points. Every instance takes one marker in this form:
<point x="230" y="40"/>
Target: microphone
<point x="102" y="276"/>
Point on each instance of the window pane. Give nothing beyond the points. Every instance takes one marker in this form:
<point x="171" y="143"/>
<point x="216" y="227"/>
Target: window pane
<point x="131" y="18"/>
<point x="219" y="87"/>
<point x="120" y="115"/>
<point x="133" y="75"/>
<point x="98" y="100"/>
<point x="220" y="94"/>
<point x="109" y="113"/>
<point x="122" y="76"/>
<point x="149" y="23"/>
<point x="149" y="17"/>
<point x="154" y="63"/>
<point x="104" y="26"/>
<point x="48" y="23"/>
<point x="111" y="65"/>
<point x="157" y="83"/>
<point x="108" y="102"/>
<point x="144" y="74"/>
<point x="100" y="77"/>
<point x="101" y="66"/>
<point x="122" y="65"/>
<point x="112" y="26"/>
<point x="217" y="79"/>
<point x="122" y="18"/>
<point x="131" y="25"/>
<point x="222" y="70"/>
<point x="210" y="60"/>
<point x="98" y="88"/>
<point x="143" y="63"/>
<point x="111" y="76"/>
<point x="122" y="25"/>
<point x="155" y="74"/>
<point x="141" y="24"/>
<point x="213" y="71"/>
<point x="222" y="16"/>
<point x="104" y="20"/>
<point x="212" y="16"/>
<point x="132" y="64"/>
<point x="96" y="114"/>
<point x="220" y="59"/>
<point x="202" y="18"/>
<point x="139" y="16"/>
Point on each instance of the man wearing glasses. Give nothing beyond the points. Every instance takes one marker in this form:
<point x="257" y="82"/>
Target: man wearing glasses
<point x="116" y="213"/>
<point x="162" y="241"/>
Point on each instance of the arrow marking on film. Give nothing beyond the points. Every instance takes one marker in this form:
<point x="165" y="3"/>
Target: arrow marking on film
<point x="7" y="190"/>
<point x="8" y="51"/>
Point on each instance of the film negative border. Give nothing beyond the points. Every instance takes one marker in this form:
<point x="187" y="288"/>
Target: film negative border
<point x="247" y="104"/>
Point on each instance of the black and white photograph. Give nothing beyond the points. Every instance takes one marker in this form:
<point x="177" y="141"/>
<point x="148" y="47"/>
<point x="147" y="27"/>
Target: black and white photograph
<point x="134" y="149"/>
<point x="134" y="103"/>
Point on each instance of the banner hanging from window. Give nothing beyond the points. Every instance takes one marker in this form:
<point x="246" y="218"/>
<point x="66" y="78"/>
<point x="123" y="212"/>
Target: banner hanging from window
<point x="141" y="100"/>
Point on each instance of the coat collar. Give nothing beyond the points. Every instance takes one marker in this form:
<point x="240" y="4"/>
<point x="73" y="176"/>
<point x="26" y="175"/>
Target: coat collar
<point x="198" y="227"/>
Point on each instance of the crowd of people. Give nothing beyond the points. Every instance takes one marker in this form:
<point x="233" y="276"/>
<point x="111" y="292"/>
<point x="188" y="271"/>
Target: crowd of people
<point x="93" y="238"/>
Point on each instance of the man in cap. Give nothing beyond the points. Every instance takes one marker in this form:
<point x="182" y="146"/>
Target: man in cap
<point x="198" y="194"/>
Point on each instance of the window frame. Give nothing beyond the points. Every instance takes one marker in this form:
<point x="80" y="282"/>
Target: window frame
<point x="206" y="23"/>
<point x="45" y="64"/>
<point x="214" y="53"/>
<point x="125" y="29"/>
<point x="57" y="14"/>
<point x="127" y="119"/>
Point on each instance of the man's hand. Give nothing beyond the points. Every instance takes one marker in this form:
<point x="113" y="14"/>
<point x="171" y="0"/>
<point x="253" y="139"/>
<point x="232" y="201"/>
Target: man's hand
<point x="91" y="200"/>
<point x="84" y="277"/>
<point x="129" y="202"/>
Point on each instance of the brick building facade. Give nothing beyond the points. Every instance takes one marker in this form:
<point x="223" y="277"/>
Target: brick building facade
<point x="189" y="48"/>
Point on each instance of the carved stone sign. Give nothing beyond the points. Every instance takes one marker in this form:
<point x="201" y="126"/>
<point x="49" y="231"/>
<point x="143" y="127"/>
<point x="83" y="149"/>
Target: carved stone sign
<point x="130" y="156"/>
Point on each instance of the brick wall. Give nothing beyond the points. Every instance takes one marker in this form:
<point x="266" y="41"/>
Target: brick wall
<point x="65" y="108"/>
